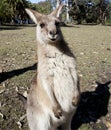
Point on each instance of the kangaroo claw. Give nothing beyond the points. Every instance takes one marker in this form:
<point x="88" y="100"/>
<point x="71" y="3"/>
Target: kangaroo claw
<point x="57" y="112"/>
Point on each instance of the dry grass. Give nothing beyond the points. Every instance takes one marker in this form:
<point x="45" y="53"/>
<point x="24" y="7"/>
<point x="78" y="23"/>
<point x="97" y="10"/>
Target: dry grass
<point x="92" y="48"/>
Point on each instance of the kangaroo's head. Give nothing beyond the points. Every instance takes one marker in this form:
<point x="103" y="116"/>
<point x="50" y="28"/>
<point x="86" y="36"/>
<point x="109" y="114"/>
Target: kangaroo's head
<point x="48" y="30"/>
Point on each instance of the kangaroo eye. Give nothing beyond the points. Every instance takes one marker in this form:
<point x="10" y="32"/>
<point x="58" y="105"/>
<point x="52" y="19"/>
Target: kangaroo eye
<point x="57" y="23"/>
<point x="42" y="25"/>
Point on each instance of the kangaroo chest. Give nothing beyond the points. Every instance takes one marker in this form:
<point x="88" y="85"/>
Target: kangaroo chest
<point x="60" y="65"/>
<point x="64" y="80"/>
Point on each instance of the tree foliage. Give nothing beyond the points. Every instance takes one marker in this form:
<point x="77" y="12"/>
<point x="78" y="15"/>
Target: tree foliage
<point x="5" y="13"/>
<point x="12" y="11"/>
<point x="42" y="7"/>
<point x="90" y="11"/>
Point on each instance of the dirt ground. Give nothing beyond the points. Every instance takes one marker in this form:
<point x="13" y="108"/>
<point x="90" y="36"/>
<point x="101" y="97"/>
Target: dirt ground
<point x="92" y="48"/>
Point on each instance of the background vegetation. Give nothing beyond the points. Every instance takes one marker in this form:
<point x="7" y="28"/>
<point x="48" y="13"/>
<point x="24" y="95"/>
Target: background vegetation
<point x="80" y="11"/>
<point x="91" y="11"/>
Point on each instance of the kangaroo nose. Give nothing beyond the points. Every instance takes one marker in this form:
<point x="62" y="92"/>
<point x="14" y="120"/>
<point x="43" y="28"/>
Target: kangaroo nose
<point x="53" y="33"/>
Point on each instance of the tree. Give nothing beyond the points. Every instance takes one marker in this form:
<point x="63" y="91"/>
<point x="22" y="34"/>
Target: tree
<point x="17" y="8"/>
<point x="43" y="7"/>
<point x="77" y="11"/>
<point x="108" y="14"/>
<point x="10" y="10"/>
<point x="91" y="11"/>
<point x="20" y="9"/>
<point x="102" y="8"/>
<point x="5" y="12"/>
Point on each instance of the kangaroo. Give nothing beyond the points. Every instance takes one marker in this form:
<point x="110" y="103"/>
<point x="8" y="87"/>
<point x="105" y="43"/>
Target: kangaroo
<point x="54" y="93"/>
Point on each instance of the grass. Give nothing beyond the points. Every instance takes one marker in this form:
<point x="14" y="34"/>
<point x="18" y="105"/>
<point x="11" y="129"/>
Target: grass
<point x="92" y="48"/>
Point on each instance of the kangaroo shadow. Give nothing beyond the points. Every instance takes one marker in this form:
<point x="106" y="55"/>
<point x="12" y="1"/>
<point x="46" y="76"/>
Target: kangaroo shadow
<point x="92" y="105"/>
<point x="7" y="75"/>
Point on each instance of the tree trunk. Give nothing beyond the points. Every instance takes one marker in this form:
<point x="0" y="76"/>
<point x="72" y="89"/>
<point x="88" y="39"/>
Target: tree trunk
<point x="101" y="13"/>
<point x="67" y="12"/>
<point x="58" y="3"/>
<point x="0" y="21"/>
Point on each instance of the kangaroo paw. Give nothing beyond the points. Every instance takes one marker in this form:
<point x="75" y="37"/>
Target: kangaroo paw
<point x="57" y="112"/>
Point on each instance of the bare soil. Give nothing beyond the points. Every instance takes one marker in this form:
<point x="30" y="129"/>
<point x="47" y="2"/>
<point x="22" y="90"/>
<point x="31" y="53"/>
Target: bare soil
<point x="18" y="60"/>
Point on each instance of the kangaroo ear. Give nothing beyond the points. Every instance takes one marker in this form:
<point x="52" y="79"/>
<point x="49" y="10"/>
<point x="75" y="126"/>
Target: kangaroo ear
<point x="57" y="11"/>
<point x="34" y="15"/>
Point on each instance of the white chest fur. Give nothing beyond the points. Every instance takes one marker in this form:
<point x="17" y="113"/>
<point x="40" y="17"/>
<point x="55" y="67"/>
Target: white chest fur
<point x="64" y="79"/>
